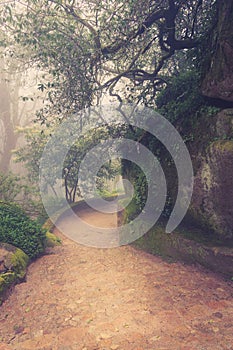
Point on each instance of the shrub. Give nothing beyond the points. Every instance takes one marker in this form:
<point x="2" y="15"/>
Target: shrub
<point x="182" y="98"/>
<point x="18" y="229"/>
<point x="10" y="186"/>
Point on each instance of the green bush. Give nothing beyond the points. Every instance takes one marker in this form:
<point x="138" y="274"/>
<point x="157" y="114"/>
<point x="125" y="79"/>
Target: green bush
<point x="181" y="99"/>
<point x="18" y="229"/>
<point x="10" y="186"/>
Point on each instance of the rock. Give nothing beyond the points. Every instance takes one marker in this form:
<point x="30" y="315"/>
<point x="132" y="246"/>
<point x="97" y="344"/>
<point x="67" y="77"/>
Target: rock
<point x="13" y="267"/>
<point x="218" y="315"/>
<point x="212" y="204"/>
<point x="114" y="347"/>
<point x="105" y="336"/>
<point x="52" y="240"/>
<point x="17" y="262"/>
<point x="3" y="255"/>
<point x="155" y="338"/>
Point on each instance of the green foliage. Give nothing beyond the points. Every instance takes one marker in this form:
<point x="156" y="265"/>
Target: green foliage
<point x="31" y="155"/>
<point x="10" y="186"/>
<point x="181" y="99"/>
<point x="18" y="229"/>
<point x="138" y="179"/>
<point x="107" y="172"/>
<point x="87" y="47"/>
<point x="23" y="191"/>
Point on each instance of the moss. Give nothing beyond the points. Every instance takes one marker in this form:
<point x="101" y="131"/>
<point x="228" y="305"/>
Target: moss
<point x="130" y="211"/>
<point x="222" y="146"/>
<point x="9" y="278"/>
<point x="6" y="280"/>
<point x="201" y="252"/>
<point x="18" y="262"/>
<point x="52" y="240"/>
<point x="2" y="285"/>
<point x="153" y="242"/>
<point x="48" y="225"/>
<point x="199" y="218"/>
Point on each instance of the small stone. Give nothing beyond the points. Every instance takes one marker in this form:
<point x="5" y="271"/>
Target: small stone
<point x="26" y="330"/>
<point x="155" y="338"/>
<point x="215" y="329"/>
<point x="114" y="347"/>
<point x="76" y="318"/>
<point x="72" y="306"/>
<point x="38" y="333"/>
<point x="80" y="301"/>
<point x="105" y="336"/>
<point x="218" y="315"/>
<point x="18" y="329"/>
<point x="126" y="325"/>
<point x="89" y="320"/>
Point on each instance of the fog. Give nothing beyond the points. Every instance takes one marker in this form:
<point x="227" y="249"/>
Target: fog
<point x="19" y="100"/>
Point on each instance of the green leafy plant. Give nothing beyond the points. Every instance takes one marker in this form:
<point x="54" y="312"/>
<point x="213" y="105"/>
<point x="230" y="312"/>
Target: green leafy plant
<point x="181" y="98"/>
<point x="10" y="186"/>
<point x="18" y="229"/>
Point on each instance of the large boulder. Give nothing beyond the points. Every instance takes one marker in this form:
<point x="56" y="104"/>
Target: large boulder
<point x="212" y="155"/>
<point x="212" y="202"/>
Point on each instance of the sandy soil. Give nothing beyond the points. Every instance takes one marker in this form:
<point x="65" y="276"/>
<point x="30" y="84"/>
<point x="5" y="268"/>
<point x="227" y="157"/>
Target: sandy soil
<point x="85" y="298"/>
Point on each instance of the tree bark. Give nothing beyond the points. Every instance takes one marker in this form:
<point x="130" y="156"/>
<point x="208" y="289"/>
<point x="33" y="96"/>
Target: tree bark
<point x="218" y="77"/>
<point x="9" y="138"/>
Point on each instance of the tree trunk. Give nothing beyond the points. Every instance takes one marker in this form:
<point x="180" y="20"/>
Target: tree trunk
<point x="218" y="80"/>
<point x="9" y="139"/>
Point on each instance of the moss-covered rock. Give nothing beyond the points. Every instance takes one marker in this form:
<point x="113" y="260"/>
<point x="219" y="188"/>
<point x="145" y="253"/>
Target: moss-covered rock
<point x="176" y="246"/>
<point x="211" y="149"/>
<point x="212" y="204"/>
<point x="52" y="240"/>
<point x="17" y="262"/>
<point x="13" y="263"/>
<point x="6" y="280"/>
<point x="210" y="144"/>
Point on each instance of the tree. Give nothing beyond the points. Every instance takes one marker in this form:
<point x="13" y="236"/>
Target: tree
<point x="15" y="108"/>
<point x="10" y="187"/>
<point x="31" y="155"/>
<point x="90" y="47"/>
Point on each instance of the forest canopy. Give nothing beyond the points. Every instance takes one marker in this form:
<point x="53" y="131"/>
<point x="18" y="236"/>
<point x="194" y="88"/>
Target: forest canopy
<point x="87" y="48"/>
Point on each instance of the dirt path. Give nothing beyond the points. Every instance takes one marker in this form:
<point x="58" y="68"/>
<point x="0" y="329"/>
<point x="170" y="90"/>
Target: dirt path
<point x="108" y="299"/>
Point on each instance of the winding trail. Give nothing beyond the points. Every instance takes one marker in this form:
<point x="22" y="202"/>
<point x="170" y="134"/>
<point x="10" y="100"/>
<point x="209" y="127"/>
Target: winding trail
<point x="84" y="298"/>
